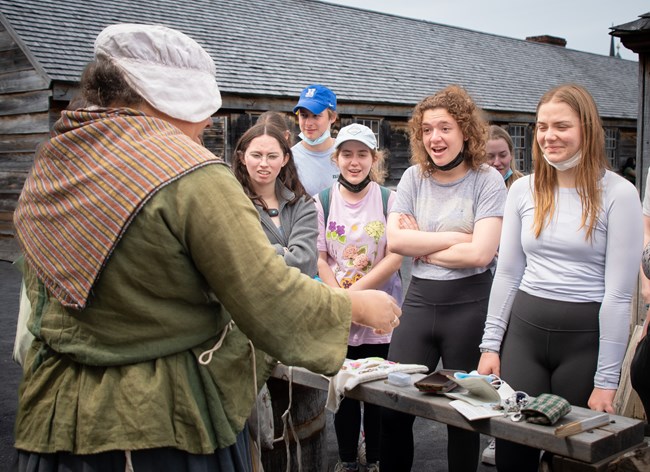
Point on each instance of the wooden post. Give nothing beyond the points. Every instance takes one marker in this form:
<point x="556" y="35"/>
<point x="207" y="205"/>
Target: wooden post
<point x="309" y="421"/>
<point x="635" y="36"/>
<point x="626" y="401"/>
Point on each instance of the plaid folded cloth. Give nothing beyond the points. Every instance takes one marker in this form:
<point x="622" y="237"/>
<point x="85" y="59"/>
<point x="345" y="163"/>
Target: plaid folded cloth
<point x="546" y="409"/>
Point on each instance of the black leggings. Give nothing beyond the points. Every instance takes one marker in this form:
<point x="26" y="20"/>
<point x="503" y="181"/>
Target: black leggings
<point x="550" y="347"/>
<point x="347" y="421"/>
<point x="441" y="319"/>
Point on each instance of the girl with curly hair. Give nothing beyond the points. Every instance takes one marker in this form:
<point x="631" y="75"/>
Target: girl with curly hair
<point x="448" y="217"/>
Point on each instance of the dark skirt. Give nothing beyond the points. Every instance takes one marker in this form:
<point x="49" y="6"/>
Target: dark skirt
<point x="236" y="458"/>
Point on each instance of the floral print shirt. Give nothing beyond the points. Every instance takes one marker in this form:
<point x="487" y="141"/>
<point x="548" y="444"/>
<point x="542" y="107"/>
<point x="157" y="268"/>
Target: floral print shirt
<point x="354" y="237"/>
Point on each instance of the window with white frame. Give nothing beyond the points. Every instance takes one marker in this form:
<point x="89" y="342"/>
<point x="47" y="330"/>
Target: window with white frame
<point x="518" y="134"/>
<point x="371" y="123"/>
<point x="610" y="146"/>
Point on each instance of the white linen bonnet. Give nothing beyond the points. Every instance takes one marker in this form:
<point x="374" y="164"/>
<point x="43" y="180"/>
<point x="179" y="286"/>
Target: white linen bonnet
<point x="170" y="70"/>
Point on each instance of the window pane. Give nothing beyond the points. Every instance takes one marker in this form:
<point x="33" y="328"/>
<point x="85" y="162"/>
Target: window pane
<point x="518" y="134"/>
<point x="214" y="137"/>
<point x="372" y="124"/>
<point x="610" y="147"/>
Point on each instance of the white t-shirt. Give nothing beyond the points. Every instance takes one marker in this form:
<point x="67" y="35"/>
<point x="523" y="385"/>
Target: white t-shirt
<point x="316" y="170"/>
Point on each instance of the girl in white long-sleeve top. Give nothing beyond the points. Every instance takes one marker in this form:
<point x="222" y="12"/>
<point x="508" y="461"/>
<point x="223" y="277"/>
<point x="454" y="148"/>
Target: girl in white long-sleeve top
<point x="559" y="309"/>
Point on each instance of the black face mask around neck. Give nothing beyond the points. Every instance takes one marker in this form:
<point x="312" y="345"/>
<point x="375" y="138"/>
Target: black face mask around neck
<point x="453" y="164"/>
<point x="354" y="188"/>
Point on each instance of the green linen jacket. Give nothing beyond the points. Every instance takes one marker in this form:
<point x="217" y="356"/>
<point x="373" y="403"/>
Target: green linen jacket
<point x="123" y="373"/>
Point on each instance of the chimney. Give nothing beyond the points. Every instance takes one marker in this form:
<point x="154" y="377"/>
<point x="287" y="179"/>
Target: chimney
<point x="547" y="39"/>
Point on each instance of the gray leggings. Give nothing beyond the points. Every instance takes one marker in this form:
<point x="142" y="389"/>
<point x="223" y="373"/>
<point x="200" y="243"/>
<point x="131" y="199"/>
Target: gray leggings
<point x="550" y="347"/>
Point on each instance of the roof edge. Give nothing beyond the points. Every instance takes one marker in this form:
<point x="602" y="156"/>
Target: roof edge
<point x="40" y="70"/>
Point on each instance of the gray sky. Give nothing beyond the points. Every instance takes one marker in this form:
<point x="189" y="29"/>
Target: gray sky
<point x="583" y="23"/>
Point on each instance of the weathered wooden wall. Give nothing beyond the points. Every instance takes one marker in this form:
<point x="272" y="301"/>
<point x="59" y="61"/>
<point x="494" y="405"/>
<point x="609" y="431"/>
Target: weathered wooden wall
<point x="626" y="145"/>
<point x="24" y="122"/>
<point x="395" y="137"/>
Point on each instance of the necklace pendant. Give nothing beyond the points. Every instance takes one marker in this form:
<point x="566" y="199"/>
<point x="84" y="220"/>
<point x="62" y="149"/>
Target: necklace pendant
<point x="272" y="212"/>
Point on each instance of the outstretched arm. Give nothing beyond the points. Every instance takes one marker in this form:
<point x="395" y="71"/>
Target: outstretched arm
<point x="622" y="261"/>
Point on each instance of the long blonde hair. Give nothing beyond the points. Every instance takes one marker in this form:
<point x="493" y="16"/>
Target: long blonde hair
<point x="588" y="172"/>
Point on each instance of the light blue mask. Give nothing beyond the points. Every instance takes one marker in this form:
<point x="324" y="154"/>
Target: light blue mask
<point x="315" y="142"/>
<point x="508" y="174"/>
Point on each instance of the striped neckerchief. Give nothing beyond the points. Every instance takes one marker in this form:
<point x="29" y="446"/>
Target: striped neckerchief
<point x="88" y="183"/>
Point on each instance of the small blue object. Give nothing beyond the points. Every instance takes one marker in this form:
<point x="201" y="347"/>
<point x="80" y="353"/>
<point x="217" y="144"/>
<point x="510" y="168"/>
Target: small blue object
<point x="474" y="374"/>
<point x="399" y="379"/>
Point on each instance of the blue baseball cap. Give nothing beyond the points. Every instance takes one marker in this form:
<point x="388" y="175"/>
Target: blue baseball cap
<point x="316" y="98"/>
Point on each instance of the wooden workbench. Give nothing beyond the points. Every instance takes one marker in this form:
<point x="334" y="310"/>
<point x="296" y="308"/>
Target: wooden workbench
<point x="595" y="448"/>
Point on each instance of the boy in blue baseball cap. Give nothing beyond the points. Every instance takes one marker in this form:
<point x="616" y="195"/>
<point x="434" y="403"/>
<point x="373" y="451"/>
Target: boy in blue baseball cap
<point x="316" y="110"/>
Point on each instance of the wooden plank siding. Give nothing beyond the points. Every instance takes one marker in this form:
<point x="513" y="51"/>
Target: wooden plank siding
<point x="394" y="135"/>
<point x="22" y="81"/>
<point x="21" y="143"/>
<point x="27" y="123"/>
<point x="28" y="102"/>
<point x="13" y="59"/>
<point x="17" y="161"/>
<point x="24" y="123"/>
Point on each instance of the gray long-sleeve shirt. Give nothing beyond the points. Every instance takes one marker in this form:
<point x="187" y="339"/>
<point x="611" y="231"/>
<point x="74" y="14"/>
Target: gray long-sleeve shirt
<point x="562" y="265"/>
<point x="298" y="231"/>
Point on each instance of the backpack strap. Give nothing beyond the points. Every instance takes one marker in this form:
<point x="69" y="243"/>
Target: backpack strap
<point x="385" y="195"/>
<point x="324" y="197"/>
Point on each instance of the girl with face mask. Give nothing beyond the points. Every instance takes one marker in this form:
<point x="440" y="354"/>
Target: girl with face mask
<point x="447" y="216"/>
<point x="265" y="168"/>
<point x="500" y="154"/>
<point x="353" y="254"/>
<point x="568" y="264"/>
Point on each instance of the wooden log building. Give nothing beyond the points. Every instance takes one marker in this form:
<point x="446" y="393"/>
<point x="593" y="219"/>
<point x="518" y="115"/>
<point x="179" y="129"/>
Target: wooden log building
<point x="267" y="51"/>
